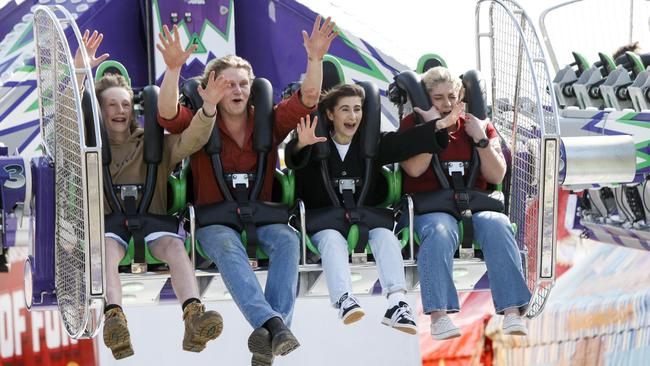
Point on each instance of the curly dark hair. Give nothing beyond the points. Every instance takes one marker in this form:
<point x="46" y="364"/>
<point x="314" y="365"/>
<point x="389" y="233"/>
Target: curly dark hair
<point x="329" y="98"/>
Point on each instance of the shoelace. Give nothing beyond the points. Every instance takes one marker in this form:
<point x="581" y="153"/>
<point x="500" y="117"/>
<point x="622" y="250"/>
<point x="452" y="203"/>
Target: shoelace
<point x="348" y="302"/>
<point x="402" y="312"/>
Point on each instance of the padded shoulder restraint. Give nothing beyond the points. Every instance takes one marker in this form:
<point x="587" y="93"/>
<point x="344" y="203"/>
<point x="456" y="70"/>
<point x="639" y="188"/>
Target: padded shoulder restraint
<point x="461" y="200"/>
<point x="243" y="210"/>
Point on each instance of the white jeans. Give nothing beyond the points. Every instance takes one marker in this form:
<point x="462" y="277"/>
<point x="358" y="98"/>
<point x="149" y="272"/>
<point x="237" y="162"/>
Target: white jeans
<point x="385" y="247"/>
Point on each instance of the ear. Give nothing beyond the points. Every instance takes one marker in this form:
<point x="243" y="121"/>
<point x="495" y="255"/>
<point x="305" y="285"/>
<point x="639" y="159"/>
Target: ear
<point x="330" y="115"/>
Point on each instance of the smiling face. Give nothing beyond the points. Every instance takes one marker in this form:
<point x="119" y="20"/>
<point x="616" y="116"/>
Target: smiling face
<point x="235" y="100"/>
<point x="346" y="117"/>
<point x="117" y="111"/>
<point x="444" y="97"/>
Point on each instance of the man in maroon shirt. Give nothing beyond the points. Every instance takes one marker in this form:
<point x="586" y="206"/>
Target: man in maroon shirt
<point x="438" y="231"/>
<point x="268" y="311"/>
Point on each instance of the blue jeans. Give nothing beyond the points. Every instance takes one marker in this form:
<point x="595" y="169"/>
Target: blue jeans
<point x="223" y="245"/>
<point x="385" y="247"/>
<point x="439" y="239"/>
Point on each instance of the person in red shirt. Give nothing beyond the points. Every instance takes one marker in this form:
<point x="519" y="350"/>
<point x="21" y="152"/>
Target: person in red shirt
<point x="438" y="231"/>
<point x="268" y="311"/>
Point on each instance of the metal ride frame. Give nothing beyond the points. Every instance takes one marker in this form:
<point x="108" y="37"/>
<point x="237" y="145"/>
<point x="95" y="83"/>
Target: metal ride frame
<point x="547" y="39"/>
<point x="74" y="150"/>
<point x="525" y="115"/>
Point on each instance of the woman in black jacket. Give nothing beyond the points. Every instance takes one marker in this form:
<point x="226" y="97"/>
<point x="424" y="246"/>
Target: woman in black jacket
<point x="342" y="106"/>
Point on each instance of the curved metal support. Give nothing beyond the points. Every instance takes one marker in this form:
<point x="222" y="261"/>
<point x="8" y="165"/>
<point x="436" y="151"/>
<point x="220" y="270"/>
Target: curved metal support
<point x="192" y="219"/>
<point x="75" y="149"/>
<point x="303" y="229"/>
<point x="411" y="214"/>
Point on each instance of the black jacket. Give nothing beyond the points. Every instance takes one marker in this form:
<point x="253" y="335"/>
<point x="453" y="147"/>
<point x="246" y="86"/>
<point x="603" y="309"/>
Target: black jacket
<point x="393" y="147"/>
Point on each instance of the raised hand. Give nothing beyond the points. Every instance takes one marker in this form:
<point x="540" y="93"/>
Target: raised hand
<point x="428" y="115"/>
<point x="457" y="111"/>
<point x="474" y="127"/>
<point x="91" y="42"/>
<point x="171" y="49"/>
<point x="213" y="92"/>
<point x="318" y="43"/>
<point x="307" y="132"/>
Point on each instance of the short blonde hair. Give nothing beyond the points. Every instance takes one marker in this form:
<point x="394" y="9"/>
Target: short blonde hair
<point x="438" y="75"/>
<point x="218" y="65"/>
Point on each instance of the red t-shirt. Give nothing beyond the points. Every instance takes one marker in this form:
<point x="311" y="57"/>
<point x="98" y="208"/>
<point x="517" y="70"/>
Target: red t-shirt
<point x="235" y="159"/>
<point x="459" y="149"/>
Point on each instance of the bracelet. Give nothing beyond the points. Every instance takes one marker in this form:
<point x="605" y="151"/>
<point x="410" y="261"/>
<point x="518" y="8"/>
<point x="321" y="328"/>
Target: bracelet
<point x="212" y="116"/>
<point x="312" y="59"/>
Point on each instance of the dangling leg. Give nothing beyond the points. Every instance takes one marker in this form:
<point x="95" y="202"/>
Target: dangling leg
<point x="200" y="326"/>
<point x="386" y="250"/>
<point x="333" y="248"/>
<point x="438" y="233"/>
<point x="116" y="331"/>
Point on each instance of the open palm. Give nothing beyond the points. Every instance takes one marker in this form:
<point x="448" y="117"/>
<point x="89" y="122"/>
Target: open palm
<point x="91" y="42"/>
<point x="318" y="43"/>
<point x="307" y="132"/>
<point x="171" y="50"/>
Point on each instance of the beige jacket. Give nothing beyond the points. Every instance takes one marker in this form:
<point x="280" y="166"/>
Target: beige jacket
<point x="128" y="166"/>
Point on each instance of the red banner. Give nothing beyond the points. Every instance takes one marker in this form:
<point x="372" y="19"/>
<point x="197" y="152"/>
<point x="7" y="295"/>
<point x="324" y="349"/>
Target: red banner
<point x="36" y="337"/>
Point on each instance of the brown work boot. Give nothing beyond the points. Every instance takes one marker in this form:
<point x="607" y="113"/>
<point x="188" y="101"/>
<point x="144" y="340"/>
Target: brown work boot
<point x="200" y="326"/>
<point x="116" y="334"/>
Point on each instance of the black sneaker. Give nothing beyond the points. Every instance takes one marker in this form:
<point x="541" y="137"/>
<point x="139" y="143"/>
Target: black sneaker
<point x="401" y="318"/>
<point x="349" y="309"/>
<point x="259" y="343"/>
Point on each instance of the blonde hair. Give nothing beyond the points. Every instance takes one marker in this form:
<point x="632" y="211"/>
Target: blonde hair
<point x="218" y="65"/>
<point x="438" y="75"/>
<point x="115" y="81"/>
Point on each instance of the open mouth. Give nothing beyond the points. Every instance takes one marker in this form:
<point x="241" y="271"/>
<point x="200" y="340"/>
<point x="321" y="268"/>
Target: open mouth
<point x="238" y="100"/>
<point x="350" y="125"/>
<point x="119" y="120"/>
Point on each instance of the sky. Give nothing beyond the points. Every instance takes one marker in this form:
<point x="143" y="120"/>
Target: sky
<point x="407" y="29"/>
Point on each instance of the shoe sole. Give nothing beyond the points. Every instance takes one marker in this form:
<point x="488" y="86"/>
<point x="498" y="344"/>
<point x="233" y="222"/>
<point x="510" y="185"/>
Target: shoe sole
<point x="119" y="341"/>
<point x="259" y="359"/>
<point x="446" y="335"/>
<point x="209" y="330"/>
<point x="286" y="346"/>
<point x="261" y="350"/>
<point x="516" y="331"/>
<point x="410" y="329"/>
<point x="353" y="316"/>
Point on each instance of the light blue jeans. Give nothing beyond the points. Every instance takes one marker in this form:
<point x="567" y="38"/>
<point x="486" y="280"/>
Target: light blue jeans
<point x="223" y="245"/>
<point x="385" y="247"/>
<point x="439" y="240"/>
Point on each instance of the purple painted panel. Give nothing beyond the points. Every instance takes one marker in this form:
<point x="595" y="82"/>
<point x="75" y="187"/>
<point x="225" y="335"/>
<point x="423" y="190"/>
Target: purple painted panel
<point x="125" y="43"/>
<point x="275" y="48"/>
<point x="12" y="191"/>
<point x="11" y="14"/>
<point x="43" y="251"/>
<point x="208" y="10"/>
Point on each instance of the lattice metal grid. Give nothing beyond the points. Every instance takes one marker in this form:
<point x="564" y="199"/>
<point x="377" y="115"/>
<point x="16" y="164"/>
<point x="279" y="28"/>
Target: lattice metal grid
<point x="62" y="138"/>
<point x="523" y="112"/>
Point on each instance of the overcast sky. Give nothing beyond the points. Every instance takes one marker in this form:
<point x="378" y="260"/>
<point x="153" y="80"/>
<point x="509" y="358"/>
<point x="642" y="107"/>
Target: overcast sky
<point x="407" y="29"/>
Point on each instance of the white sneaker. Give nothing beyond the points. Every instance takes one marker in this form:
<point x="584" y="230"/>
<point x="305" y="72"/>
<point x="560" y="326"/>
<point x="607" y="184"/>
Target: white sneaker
<point x="444" y="328"/>
<point x="349" y="309"/>
<point x="513" y="324"/>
